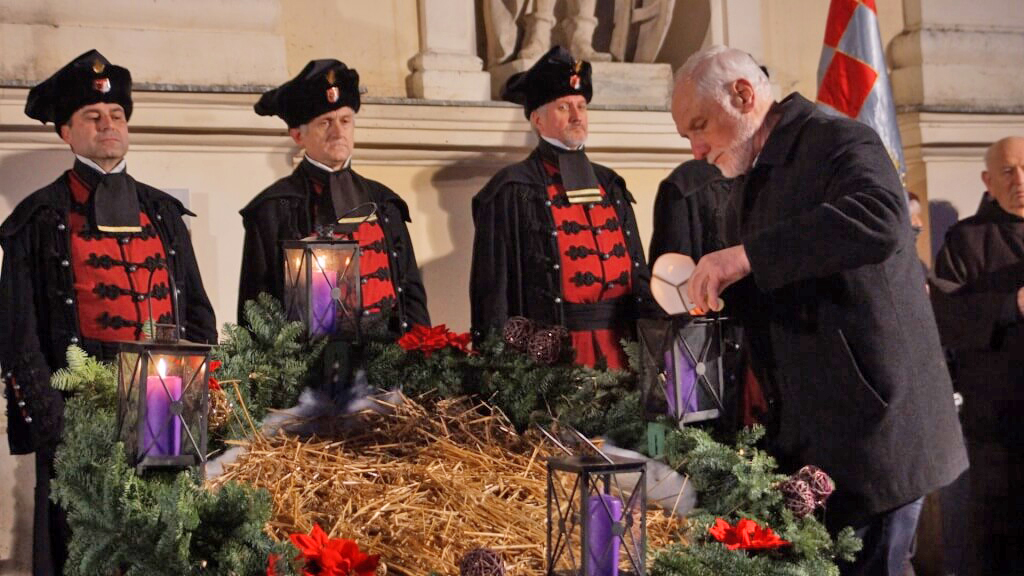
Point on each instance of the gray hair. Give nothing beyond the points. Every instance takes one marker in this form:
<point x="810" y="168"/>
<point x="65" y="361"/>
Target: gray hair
<point x="713" y="69"/>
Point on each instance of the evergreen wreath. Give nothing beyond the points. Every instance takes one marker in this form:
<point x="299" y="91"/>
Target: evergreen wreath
<point x="595" y="402"/>
<point x="737" y="482"/>
<point x="271" y="359"/>
<point x="154" y="525"/>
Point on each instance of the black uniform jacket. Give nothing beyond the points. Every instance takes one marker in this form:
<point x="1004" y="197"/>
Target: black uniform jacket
<point x="38" y="316"/>
<point x="838" y="317"/>
<point x="515" y="269"/>
<point x="980" y="269"/>
<point x="282" y="212"/>
<point x="688" y="211"/>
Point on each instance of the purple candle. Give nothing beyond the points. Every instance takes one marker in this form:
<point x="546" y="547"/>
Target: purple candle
<point x="160" y="437"/>
<point x="322" y="300"/>
<point x="604" y="511"/>
<point x="680" y="382"/>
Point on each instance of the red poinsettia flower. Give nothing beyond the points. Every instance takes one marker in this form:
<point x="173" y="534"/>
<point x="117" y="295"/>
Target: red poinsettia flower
<point x="460" y="341"/>
<point x="745" y="535"/>
<point x="323" y="556"/>
<point x="428" y="340"/>
<point x="355" y="562"/>
<point x="214" y="384"/>
<point x="272" y="565"/>
<point x="316" y="553"/>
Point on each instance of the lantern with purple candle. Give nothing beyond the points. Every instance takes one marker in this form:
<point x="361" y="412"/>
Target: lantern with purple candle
<point x="162" y="403"/>
<point x="597" y="517"/>
<point x="322" y="286"/>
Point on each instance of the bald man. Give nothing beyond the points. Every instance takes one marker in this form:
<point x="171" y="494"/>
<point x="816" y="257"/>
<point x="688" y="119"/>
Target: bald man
<point x="979" y="302"/>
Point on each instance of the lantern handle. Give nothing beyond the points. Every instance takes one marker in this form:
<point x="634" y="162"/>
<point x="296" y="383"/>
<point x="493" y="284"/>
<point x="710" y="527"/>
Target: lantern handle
<point x="174" y="299"/>
<point x="366" y="218"/>
<point x="554" y="440"/>
<point x="593" y="447"/>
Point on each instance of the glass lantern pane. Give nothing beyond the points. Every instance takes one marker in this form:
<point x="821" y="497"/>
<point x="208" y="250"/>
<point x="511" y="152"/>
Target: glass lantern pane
<point x="295" y="283"/>
<point x="161" y="431"/>
<point x="128" y="401"/>
<point x="334" y="291"/>
<point x="193" y="406"/>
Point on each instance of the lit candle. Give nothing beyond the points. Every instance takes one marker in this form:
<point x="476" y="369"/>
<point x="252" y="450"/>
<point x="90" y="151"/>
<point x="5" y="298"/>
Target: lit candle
<point x="680" y="382"/>
<point x="322" y="298"/>
<point x="160" y="437"/>
<point x="604" y="512"/>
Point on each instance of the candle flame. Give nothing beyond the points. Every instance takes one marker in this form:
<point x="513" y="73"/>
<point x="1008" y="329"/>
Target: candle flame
<point x="321" y="262"/>
<point x="161" y="368"/>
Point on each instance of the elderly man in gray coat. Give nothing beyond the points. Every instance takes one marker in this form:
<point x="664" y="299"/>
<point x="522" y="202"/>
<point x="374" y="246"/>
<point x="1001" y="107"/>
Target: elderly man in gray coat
<point x="822" y="270"/>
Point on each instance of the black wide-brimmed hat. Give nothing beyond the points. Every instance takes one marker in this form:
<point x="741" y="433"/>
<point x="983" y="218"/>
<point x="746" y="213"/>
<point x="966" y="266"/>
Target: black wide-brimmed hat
<point x="86" y="80"/>
<point x="322" y="86"/>
<point x="554" y="75"/>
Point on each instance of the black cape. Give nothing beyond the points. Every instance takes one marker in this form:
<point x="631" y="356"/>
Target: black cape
<point x="282" y="212"/>
<point x="515" y="255"/>
<point x="37" y="323"/>
<point x="38" y="320"/>
<point x="688" y="211"/>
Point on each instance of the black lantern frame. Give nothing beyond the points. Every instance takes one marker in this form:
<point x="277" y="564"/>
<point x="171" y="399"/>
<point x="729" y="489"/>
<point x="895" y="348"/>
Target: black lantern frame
<point x="163" y="400"/>
<point x="322" y="286"/>
<point x="682" y="373"/>
<point x="596" y="517"/>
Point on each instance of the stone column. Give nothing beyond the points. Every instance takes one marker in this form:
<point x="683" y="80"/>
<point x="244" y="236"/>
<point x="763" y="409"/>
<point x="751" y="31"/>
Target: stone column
<point x="736" y="24"/>
<point x="447" y="67"/>
<point x="959" y="57"/>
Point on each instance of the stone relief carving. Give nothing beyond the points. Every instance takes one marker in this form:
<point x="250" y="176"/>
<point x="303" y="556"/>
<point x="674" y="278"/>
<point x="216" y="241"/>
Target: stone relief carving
<point x="526" y="29"/>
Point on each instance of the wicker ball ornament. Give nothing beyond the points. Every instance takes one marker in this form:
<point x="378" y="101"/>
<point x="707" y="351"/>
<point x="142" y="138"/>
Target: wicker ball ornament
<point x="220" y="409"/>
<point x="821" y="484"/>
<point x="546" y="344"/>
<point x="798" y="497"/>
<point x="517" y="333"/>
<point x="481" y="562"/>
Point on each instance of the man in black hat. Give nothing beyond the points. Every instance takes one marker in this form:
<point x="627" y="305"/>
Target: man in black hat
<point x="325" y="194"/>
<point x="88" y="260"/>
<point x="556" y="240"/>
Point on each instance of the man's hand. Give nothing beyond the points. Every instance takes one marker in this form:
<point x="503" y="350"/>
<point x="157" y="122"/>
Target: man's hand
<point x="1020" y="301"/>
<point x="714" y="273"/>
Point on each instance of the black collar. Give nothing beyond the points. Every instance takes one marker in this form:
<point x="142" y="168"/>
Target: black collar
<point x="796" y="110"/>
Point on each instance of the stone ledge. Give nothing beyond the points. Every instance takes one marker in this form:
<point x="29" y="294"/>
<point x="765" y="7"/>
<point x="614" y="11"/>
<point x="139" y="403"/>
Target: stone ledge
<point x="389" y="131"/>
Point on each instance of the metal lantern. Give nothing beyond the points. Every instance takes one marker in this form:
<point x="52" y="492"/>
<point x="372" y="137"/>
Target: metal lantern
<point x="597" y="517"/>
<point x="322" y="286"/>
<point x="682" y="372"/>
<point x="163" y="397"/>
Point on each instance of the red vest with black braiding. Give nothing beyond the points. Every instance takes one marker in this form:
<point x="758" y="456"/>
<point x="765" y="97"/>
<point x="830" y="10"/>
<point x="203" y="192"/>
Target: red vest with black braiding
<point x="374" y="267"/>
<point x="594" y="263"/>
<point x="117" y="278"/>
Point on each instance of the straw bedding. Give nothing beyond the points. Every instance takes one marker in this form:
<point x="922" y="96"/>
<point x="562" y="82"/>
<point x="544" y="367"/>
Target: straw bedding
<point x="419" y="487"/>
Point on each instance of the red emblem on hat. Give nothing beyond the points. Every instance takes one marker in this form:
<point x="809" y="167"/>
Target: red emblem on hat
<point x="333" y="94"/>
<point x="101" y="85"/>
<point x="574" y="80"/>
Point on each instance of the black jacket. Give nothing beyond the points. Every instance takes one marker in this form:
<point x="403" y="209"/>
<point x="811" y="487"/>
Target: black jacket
<point x="980" y="268"/>
<point x="838" y="318"/>
<point x="282" y="212"/>
<point x="38" y="317"/>
<point x="515" y="254"/>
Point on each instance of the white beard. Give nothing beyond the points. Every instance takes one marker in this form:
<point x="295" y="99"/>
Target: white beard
<point x="740" y="157"/>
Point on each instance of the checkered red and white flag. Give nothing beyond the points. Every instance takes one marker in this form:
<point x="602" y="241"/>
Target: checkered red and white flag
<point x="852" y="78"/>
